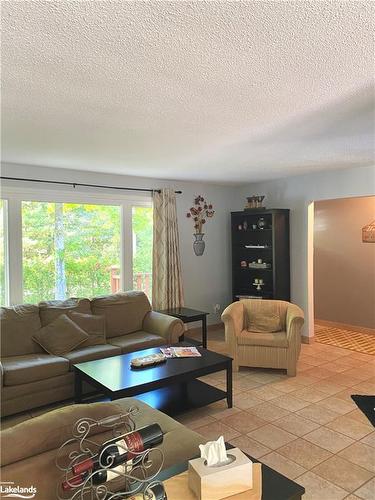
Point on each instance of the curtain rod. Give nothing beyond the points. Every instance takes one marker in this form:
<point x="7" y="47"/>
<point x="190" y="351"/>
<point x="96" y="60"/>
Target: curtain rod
<point x="74" y="184"/>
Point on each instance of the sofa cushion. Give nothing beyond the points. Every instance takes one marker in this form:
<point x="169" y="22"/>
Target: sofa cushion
<point x="32" y="367"/>
<point x="60" y="336"/>
<point x="90" y="353"/>
<point x="18" y="325"/>
<point x="124" y="312"/>
<point x="93" y="325"/>
<point x="277" y="339"/>
<point x="52" y="309"/>
<point x="137" y="341"/>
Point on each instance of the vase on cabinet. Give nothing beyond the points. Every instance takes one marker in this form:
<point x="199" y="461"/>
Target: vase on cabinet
<point x="199" y="245"/>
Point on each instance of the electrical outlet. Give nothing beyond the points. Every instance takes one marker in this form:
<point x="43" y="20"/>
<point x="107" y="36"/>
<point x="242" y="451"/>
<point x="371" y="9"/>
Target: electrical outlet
<point x="216" y="308"/>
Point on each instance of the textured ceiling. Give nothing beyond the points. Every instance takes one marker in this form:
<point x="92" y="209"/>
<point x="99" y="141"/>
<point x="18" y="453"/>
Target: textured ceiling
<point x="217" y="91"/>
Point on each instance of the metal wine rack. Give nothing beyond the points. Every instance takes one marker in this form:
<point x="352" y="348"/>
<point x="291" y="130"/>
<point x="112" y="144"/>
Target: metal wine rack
<point x="137" y="476"/>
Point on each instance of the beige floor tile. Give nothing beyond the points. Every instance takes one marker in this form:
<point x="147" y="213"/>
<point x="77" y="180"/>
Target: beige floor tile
<point x="337" y="405"/>
<point x="313" y="360"/>
<point x="365" y="388"/>
<point x="369" y="439"/>
<point x="289" y="402"/>
<point x="362" y="374"/>
<point x="328" y="439"/>
<point x="265" y="378"/>
<point x="247" y="400"/>
<point x="250" y="446"/>
<point x="360" y="454"/>
<point x="296" y="424"/>
<point x="303" y="366"/>
<point x="363" y="357"/>
<point x="305" y="379"/>
<point x="220" y="410"/>
<point x="287" y="386"/>
<point x="243" y="422"/>
<point x="309" y="394"/>
<point x="336" y="367"/>
<point x="265" y="392"/>
<point x="354" y="362"/>
<point x="342" y="379"/>
<point x="268" y="411"/>
<point x="350" y="427"/>
<point x="342" y="473"/>
<point x="245" y="383"/>
<point x="271" y="436"/>
<point x="216" y="429"/>
<point x="318" y="488"/>
<point x="329" y="388"/>
<point x="319" y="373"/>
<point x="283" y="465"/>
<point x="367" y="491"/>
<point x="318" y="414"/>
<point x="304" y="453"/>
<point x="352" y="497"/>
<point x="198" y="422"/>
<point x="358" y="415"/>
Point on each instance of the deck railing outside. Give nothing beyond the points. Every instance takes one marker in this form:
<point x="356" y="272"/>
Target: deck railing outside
<point x="141" y="281"/>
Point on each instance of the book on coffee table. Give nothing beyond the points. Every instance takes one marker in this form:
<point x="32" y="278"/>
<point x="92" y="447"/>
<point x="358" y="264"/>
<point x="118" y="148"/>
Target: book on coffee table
<point x="180" y="352"/>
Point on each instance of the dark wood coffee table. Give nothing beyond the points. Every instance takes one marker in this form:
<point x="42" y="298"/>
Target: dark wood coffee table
<point x="171" y="387"/>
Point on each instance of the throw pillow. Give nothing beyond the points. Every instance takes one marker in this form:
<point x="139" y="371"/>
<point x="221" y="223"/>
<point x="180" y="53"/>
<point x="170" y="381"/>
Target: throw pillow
<point x="264" y="323"/>
<point x="60" y="336"/>
<point x="93" y="325"/>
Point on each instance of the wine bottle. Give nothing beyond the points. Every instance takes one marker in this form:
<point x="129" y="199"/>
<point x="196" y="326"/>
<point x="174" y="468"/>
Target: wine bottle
<point x="98" y="478"/>
<point x="122" y="448"/>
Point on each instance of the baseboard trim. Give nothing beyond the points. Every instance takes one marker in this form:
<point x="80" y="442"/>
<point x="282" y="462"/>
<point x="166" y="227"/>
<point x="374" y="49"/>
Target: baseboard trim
<point x="307" y="340"/>
<point x="345" y="326"/>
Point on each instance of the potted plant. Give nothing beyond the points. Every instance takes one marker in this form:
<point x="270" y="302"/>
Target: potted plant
<point x="200" y="213"/>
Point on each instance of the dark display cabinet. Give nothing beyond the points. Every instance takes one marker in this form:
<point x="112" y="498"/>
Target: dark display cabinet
<point x="260" y="254"/>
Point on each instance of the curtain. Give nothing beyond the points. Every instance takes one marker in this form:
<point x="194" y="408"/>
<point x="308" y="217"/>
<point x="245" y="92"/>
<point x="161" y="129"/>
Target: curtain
<point x="167" y="292"/>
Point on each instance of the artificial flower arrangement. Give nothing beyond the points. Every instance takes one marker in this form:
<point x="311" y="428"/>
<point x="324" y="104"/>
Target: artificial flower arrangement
<point x="200" y="212"/>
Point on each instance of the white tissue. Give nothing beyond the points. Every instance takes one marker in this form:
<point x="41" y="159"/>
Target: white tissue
<point x="214" y="452"/>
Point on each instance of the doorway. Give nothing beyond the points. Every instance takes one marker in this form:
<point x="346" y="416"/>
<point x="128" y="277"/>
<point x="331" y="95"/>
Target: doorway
<point x="344" y="273"/>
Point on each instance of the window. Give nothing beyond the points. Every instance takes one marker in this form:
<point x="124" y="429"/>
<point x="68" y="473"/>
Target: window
<point x="64" y="244"/>
<point x="68" y="249"/>
<point x="142" y="249"/>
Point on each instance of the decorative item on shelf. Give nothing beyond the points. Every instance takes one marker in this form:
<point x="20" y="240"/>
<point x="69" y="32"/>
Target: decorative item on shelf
<point x="200" y="213"/>
<point x="125" y="465"/>
<point x="368" y="233"/>
<point x="244" y="225"/>
<point x="261" y="223"/>
<point x="258" y="283"/>
<point x="219" y="474"/>
<point x="255" y="202"/>
<point x="243" y="263"/>
<point x="259" y="265"/>
<point x="255" y="227"/>
<point x="257" y="246"/>
<point x="240" y="227"/>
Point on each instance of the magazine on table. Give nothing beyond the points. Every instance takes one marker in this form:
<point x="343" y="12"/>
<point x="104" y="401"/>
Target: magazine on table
<point x="180" y="352"/>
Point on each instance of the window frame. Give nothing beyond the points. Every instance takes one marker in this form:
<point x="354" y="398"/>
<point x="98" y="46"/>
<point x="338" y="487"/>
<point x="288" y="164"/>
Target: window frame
<point x="14" y="196"/>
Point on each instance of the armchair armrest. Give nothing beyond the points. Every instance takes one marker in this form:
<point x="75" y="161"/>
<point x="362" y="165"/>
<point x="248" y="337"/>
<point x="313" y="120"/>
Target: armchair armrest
<point x="233" y="319"/>
<point x="294" y="321"/>
<point x="166" y="326"/>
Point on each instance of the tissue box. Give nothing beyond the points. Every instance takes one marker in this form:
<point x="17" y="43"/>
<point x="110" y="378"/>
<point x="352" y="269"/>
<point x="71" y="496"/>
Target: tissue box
<point x="215" y="483"/>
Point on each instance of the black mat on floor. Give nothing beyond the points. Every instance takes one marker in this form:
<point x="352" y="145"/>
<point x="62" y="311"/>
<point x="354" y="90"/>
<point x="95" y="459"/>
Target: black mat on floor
<point x="367" y="406"/>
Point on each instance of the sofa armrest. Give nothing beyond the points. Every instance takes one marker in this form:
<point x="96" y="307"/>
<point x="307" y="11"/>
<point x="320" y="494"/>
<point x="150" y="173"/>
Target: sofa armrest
<point x="166" y="326"/>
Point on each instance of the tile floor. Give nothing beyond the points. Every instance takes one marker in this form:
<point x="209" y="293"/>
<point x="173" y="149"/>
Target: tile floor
<point x="306" y="427"/>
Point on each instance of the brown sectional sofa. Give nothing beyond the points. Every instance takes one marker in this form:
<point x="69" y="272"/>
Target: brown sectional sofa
<point x="30" y="377"/>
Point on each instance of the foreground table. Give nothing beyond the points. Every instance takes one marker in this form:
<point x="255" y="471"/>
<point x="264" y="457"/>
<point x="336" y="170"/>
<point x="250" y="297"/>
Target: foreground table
<point x="171" y="387"/>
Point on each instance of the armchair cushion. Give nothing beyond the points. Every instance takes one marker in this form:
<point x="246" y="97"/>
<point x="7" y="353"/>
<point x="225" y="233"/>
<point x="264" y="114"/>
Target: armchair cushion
<point x="266" y="339"/>
<point x="265" y="315"/>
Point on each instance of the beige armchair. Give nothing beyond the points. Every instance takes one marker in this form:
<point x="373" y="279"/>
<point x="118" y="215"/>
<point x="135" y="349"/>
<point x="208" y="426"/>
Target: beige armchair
<point x="264" y="333"/>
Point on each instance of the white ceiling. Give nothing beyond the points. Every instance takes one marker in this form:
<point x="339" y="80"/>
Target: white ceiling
<point x="225" y="92"/>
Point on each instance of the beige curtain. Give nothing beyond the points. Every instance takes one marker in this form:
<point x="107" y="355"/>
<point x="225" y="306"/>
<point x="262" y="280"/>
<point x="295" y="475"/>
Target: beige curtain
<point x="167" y="289"/>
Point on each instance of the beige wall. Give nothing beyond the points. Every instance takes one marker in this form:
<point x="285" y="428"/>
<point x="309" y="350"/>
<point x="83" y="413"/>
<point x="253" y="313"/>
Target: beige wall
<point x="344" y="266"/>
